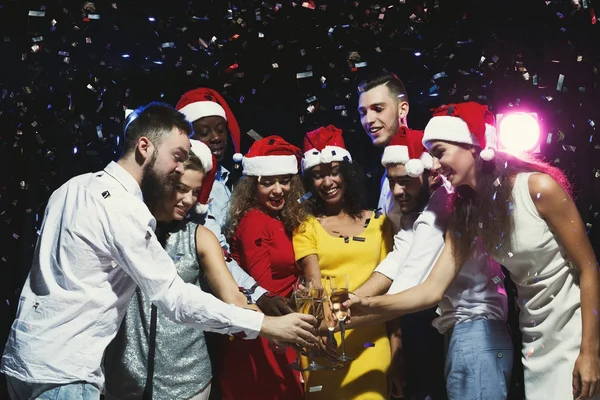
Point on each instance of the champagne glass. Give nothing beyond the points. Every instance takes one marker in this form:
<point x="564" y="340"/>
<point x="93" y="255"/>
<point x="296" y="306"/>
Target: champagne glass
<point x="339" y="295"/>
<point x="328" y="317"/>
<point x="315" y="293"/>
<point x="307" y="298"/>
<point x="300" y="299"/>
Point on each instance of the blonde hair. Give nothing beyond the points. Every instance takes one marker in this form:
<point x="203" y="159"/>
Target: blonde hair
<point x="194" y="164"/>
<point x="245" y="198"/>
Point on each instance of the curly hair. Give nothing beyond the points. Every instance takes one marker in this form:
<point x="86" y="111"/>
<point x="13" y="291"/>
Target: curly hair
<point x="355" y="196"/>
<point x="486" y="213"/>
<point x="245" y="198"/>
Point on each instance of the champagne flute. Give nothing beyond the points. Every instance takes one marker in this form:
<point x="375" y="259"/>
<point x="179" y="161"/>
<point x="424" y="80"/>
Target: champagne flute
<point x="315" y="293"/>
<point x="339" y="295"/>
<point x="301" y="303"/>
<point x="328" y="318"/>
<point x="308" y="299"/>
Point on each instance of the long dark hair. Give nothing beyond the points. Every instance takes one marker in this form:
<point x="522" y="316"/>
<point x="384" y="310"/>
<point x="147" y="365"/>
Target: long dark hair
<point x="355" y="196"/>
<point x="486" y="213"/>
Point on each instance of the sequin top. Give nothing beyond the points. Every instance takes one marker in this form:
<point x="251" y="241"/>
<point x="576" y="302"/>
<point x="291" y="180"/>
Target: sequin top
<point x="182" y="367"/>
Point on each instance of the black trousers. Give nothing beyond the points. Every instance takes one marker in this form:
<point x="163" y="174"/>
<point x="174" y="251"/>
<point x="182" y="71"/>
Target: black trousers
<point x="423" y="348"/>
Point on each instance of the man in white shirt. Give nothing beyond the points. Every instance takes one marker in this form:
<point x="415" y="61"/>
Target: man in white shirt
<point x="214" y="124"/>
<point x="96" y="244"/>
<point x="473" y="311"/>
<point x="383" y="108"/>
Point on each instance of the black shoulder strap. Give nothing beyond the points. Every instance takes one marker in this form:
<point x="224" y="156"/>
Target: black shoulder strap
<point x="151" y="351"/>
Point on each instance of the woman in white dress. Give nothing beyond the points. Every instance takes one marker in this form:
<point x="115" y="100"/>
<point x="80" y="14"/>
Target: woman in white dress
<point x="523" y="213"/>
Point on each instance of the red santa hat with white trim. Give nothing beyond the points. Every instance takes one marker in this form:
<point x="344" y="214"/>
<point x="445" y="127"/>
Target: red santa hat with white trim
<point x="323" y="146"/>
<point x="204" y="102"/>
<point x="209" y="162"/>
<point x="406" y="148"/>
<point x="271" y="156"/>
<point x="469" y="123"/>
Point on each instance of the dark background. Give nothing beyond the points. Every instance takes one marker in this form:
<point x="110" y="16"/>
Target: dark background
<point x="65" y="83"/>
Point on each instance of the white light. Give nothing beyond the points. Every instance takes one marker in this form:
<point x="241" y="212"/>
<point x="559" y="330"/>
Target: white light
<point x="518" y="132"/>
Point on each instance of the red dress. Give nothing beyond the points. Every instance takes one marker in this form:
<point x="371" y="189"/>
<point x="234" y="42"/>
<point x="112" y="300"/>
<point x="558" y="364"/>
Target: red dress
<point x="249" y="369"/>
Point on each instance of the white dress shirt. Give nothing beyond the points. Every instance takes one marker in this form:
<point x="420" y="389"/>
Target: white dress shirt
<point x="402" y="242"/>
<point x="476" y="293"/>
<point x="96" y="244"/>
<point x="388" y="204"/>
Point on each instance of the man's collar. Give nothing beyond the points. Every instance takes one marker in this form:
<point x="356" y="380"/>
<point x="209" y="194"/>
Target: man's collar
<point x="125" y="179"/>
<point x="222" y="174"/>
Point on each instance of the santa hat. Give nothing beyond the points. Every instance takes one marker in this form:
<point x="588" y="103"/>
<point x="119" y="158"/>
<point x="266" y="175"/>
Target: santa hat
<point x="406" y="148"/>
<point x="209" y="163"/>
<point x="470" y="123"/>
<point x="323" y="146"/>
<point x="204" y="102"/>
<point x="271" y="156"/>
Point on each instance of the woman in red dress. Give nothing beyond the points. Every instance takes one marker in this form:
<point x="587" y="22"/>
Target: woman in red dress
<point x="264" y="211"/>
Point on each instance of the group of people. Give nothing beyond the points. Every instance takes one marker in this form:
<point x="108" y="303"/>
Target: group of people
<point x="159" y="277"/>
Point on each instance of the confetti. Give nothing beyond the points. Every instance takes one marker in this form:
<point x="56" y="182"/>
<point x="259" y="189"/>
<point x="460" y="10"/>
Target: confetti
<point x="254" y="135"/>
<point x="272" y="57"/>
<point x="305" y="197"/>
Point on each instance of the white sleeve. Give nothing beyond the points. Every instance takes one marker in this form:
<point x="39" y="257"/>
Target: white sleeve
<point x="390" y="266"/>
<point x="427" y="244"/>
<point x="240" y="276"/>
<point x="389" y="207"/>
<point x="138" y="252"/>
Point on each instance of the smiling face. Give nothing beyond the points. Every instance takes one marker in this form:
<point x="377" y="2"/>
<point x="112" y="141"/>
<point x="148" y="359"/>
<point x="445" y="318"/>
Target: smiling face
<point x="380" y="114"/>
<point x="182" y="198"/>
<point x="272" y="193"/>
<point x="407" y="191"/>
<point x="457" y="162"/>
<point x="213" y="132"/>
<point x="163" y="167"/>
<point x="328" y="182"/>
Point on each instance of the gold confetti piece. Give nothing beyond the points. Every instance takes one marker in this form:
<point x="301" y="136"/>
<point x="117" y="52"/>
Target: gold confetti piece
<point x="254" y="135"/>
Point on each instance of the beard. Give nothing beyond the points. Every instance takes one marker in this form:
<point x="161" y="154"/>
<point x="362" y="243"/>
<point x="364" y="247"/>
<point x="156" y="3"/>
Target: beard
<point x="156" y="188"/>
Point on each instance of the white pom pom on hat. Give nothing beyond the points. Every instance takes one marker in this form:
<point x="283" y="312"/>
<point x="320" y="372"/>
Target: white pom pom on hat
<point x="469" y="123"/>
<point x="406" y="148"/>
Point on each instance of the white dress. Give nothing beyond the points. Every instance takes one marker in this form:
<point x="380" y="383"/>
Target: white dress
<point x="549" y="300"/>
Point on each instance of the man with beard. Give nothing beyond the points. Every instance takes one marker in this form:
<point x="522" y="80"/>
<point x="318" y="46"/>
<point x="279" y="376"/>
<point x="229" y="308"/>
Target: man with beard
<point x="383" y="108"/>
<point x="96" y="244"/>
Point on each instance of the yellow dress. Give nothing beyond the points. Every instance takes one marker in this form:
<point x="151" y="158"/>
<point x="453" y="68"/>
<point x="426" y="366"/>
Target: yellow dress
<point x="365" y="377"/>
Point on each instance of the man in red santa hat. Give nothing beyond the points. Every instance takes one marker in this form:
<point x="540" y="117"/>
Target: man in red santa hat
<point x="213" y="123"/>
<point x="383" y="108"/>
<point x="473" y="312"/>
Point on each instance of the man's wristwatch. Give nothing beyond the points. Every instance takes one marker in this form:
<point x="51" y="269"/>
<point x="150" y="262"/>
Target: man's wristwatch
<point x="248" y="292"/>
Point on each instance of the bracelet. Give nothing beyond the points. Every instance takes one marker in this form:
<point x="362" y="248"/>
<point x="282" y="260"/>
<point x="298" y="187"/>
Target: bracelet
<point x="248" y="292"/>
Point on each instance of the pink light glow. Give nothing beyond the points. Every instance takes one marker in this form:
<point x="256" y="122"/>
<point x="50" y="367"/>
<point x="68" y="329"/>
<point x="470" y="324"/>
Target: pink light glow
<point x="518" y="132"/>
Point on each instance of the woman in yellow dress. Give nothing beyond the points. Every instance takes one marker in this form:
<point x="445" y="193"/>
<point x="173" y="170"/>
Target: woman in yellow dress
<point x="343" y="237"/>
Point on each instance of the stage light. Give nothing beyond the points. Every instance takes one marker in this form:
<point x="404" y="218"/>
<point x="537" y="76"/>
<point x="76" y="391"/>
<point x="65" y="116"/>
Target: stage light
<point x="519" y="132"/>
